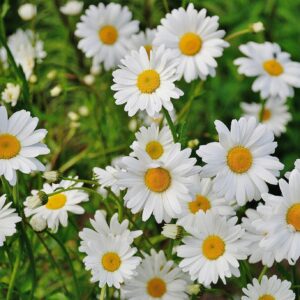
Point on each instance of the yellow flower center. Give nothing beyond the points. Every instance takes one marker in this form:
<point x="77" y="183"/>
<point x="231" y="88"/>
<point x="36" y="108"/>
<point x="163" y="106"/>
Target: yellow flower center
<point x="148" y="48"/>
<point x="293" y="216"/>
<point x="9" y="146"/>
<point x="56" y="201"/>
<point x="157" y="179"/>
<point x="111" y="261"/>
<point x="190" y="44"/>
<point x="213" y="247"/>
<point x="239" y="159"/>
<point x="273" y="67"/>
<point x="200" y="203"/>
<point x="108" y="34"/>
<point x="156" y="287"/>
<point x="154" y="149"/>
<point x="148" y="81"/>
<point x="266" y="114"/>
<point x="266" y="297"/>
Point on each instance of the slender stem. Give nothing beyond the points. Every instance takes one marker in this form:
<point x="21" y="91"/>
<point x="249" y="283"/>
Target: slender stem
<point x="261" y="114"/>
<point x="103" y="292"/>
<point x="294" y="270"/>
<point x="166" y="5"/>
<point x="61" y="245"/>
<point x="72" y="189"/>
<point x="171" y="124"/>
<point x="262" y="273"/>
<point x="93" y="182"/>
<point x="237" y="34"/>
<point x="13" y="277"/>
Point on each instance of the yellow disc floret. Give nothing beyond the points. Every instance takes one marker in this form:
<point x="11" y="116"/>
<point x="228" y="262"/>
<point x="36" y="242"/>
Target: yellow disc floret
<point x="213" y="247"/>
<point x="56" y="201"/>
<point x="154" y="149"/>
<point x="148" y="81"/>
<point x="156" y="287"/>
<point x="239" y="159"/>
<point x="199" y="203"/>
<point x="293" y="216"/>
<point x="108" y="34"/>
<point x="273" y="67"/>
<point x="190" y="44"/>
<point x="157" y="179"/>
<point x="9" y="146"/>
<point x="111" y="261"/>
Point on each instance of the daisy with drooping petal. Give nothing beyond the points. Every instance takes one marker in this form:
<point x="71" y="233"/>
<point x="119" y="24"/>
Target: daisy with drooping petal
<point x="104" y="32"/>
<point x="110" y="258"/>
<point x="241" y="160"/>
<point x="253" y="237"/>
<point x="194" y="39"/>
<point x="268" y="289"/>
<point x="146" y="83"/>
<point x="276" y="73"/>
<point x="143" y="39"/>
<point x="204" y="199"/>
<point x="158" y="187"/>
<point x="275" y="114"/>
<point x="155" y="142"/>
<point x="55" y="211"/>
<point x="156" y="278"/>
<point x="8" y="220"/>
<point x="213" y="249"/>
<point x="281" y="219"/>
<point x="101" y="227"/>
<point x="20" y="144"/>
<point x="26" y="48"/>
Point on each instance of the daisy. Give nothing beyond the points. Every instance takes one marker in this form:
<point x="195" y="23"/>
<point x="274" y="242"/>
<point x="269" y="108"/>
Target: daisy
<point x="281" y="219"/>
<point x="11" y="93"/>
<point x="104" y="32"/>
<point x="102" y="227"/>
<point x="156" y="278"/>
<point x="276" y="73"/>
<point x="158" y="187"/>
<point x="253" y="237"/>
<point x="275" y="114"/>
<point x="110" y="258"/>
<point x="26" y="48"/>
<point x="55" y="211"/>
<point x="194" y="39"/>
<point x="156" y="143"/>
<point x="144" y="39"/>
<point x="8" y="220"/>
<point x="204" y="200"/>
<point x="146" y="83"/>
<point x="241" y="160"/>
<point x="268" y="289"/>
<point x="20" y="143"/>
<point x="213" y="249"/>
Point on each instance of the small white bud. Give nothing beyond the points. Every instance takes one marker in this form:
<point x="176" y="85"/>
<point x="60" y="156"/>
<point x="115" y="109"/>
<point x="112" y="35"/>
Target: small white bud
<point x="83" y="111"/>
<point x="89" y="79"/>
<point x="172" y="231"/>
<point x="52" y="74"/>
<point x="38" y="223"/>
<point x="72" y="8"/>
<point x="51" y="176"/>
<point x="74" y="124"/>
<point x="33" y="78"/>
<point x="95" y="69"/>
<point x="55" y="91"/>
<point x="11" y="93"/>
<point x="27" y="11"/>
<point x="257" y="27"/>
<point x="193" y="289"/>
<point x="33" y="201"/>
<point x="132" y="125"/>
<point x="73" y="116"/>
<point x="193" y="143"/>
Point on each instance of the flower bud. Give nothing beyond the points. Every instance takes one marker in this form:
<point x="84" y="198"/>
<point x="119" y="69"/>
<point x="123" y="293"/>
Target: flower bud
<point x="11" y="93"/>
<point x="27" y="11"/>
<point x="83" y="111"/>
<point x="33" y="201"/>
<point x="193" y="143"/>
<point x="38" y="223"/>
<point x="51" y="176"/>
<point x="172" y="231"/>
<point x="193" y="289"/>
<point x="54" y="92"/>
<point x="89" y="79"/>
<point x="72" y="8"/>
<point x="257" y="27"/>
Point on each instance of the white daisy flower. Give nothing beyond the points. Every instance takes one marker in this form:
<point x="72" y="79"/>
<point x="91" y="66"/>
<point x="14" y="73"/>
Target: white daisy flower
<point x="104" y="32"/>
<point x="112" y="229"/>
<point x="72" y="8"/>
<point x="213" y="249"/>
<point x="276" y="73"/>
<point x="158" y="187"/>
<point x="156" y="278"/>
<point x="204" y="199"/>
<point x="144" y="39"/>
<point x="11" y="93"/>
<point x="253" y="236"/>
<point x="26" y="48"/>
<point x="111" y="259"/>
<point x="281" y="219"/>
<point x="146" y="83"/>
<point x="20" y="143"/>
<point x="157" y="119"/>
<point x="8" y="220"/>
<point x="297" y="166"/>
<point x="55" y="211"/>
<point x="155" y="142"/>
<point x="194" y="39"/>
<point x="275" y="114"/>
<point x="268" y="289"/>
<point x="241" y="160"/>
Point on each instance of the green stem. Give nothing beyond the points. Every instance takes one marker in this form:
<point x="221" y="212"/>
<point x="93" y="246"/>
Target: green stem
<point x="13" y="277"/>
<point x="294" y="270"/>
<point x="166" y="5"/>
<point x="81" y="180"/>
<point x="72" y="189"/>
<point x="237" y="34"/>
<point x="262" y="273"/>
<point x="261" y="114"/>
<point x="61" y="245"/>
<point x="103" y="292"/>
<point x="171" y="124"/>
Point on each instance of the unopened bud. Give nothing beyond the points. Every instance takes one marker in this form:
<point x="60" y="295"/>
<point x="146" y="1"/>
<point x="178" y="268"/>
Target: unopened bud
<point x="193" y="143"/>
<point x="43" y="197"/>
<point x="172" y="231"/>
<point x="55" y="91"/>
<point x="193" y="289"/>
<point x="33" y="201"/>
<point x="38" y="223"/>
<point x="257" y="27"/>
<point x="51" y="176"/>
